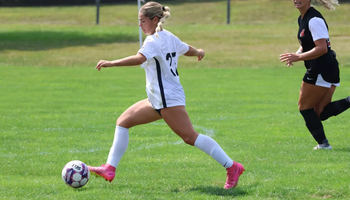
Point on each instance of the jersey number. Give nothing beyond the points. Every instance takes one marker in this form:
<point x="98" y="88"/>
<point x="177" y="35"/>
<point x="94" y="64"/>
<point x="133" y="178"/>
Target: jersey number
<point x="170" y="56"/>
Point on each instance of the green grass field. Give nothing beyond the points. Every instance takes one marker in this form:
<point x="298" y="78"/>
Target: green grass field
<point x="55" y="107"/>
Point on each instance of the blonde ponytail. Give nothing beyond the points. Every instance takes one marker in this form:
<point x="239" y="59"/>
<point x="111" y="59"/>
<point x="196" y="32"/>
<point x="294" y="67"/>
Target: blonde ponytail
<point x="166" y="15"/>
<point x="328" y="4"/>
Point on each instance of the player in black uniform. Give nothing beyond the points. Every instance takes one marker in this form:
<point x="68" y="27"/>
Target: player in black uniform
<point x="322" y="74"/>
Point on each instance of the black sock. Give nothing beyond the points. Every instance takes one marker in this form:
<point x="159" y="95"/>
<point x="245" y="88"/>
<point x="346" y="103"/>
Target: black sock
<point x="314" y="124"/>
<point x="335" y="108"/>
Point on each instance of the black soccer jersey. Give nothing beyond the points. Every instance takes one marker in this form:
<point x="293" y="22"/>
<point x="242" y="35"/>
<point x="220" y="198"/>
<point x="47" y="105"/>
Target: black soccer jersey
<point x="313" y="27"/>
<point x="314" y="19"/>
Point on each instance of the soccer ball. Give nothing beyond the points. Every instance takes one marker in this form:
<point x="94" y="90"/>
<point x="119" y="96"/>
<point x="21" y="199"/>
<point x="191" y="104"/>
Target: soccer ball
<point x="75" y="174"/>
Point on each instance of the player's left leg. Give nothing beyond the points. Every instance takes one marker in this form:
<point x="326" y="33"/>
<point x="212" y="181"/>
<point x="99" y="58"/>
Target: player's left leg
<point x="326" y="108"/>
<point x="179" y="121"/>
<point x="325" y="100"/>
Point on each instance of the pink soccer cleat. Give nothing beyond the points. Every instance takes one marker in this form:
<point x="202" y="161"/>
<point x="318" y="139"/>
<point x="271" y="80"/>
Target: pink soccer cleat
<point x="233" y="174"/>
<point x="105" y="171"/>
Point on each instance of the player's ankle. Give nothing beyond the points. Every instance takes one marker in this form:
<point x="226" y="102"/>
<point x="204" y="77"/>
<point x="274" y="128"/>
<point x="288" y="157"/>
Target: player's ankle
<point x="110" y="167"/>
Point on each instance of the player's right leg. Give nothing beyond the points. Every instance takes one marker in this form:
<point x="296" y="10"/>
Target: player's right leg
<point x="310" y="97"/>
<point x="139" y="113"/>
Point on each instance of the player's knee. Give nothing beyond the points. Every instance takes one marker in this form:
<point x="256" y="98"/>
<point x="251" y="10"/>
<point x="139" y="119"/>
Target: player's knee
<point x="124" y="122"/>
<point x="318" y="110"/>
<point x="305" y="105"/>
<point x="190" y="139"/>
<point x="120" y="122"/>
<point x="300" y="107"/>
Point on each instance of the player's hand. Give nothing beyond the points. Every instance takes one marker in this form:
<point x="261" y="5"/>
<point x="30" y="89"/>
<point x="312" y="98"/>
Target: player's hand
<point x="103" y="63"/>
<point x="200" y="54"/>
<point x="289" y="58"/>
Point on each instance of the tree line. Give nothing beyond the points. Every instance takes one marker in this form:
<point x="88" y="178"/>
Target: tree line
<point x="92" y="2"/>
<point x="83" y="2"/>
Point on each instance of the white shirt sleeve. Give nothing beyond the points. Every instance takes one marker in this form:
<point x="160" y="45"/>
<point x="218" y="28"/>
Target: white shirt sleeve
<point x="318" y="29"/>
<point x="149" y="48"/>
<point x="182" y="47"/>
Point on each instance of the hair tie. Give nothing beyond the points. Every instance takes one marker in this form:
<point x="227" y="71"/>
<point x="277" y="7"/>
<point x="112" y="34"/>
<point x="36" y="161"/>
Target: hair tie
<point x="163" y="8"/>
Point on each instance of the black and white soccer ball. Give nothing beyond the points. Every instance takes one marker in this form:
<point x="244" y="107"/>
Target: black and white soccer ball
<point x="76" y="174"/>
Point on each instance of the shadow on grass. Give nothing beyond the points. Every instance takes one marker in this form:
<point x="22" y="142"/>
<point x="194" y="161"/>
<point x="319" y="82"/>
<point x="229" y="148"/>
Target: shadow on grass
<point x="343" y="149"/>
<point x="218" y="191"/>
<point x="44" y="40"/>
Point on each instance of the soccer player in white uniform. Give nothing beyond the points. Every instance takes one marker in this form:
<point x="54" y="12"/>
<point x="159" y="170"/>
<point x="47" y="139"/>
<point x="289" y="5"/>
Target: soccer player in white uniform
<point x="166" y="98"/>
<point x="322" y="74"/>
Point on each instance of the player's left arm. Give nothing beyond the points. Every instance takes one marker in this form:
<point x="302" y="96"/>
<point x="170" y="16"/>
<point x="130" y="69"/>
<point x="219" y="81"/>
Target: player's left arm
<point x="320" y="49"/>
<point x="319" y="32"/>
<point x="193" y="51"/>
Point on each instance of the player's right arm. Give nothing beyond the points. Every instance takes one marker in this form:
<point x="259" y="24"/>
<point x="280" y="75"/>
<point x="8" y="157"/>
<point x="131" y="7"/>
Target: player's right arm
<point x="137" y="59"/>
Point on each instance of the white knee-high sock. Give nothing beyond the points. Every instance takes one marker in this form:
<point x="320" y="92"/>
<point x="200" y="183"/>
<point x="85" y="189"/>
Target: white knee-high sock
<point x="120" y="144"/>
<point x="213" y="149"/>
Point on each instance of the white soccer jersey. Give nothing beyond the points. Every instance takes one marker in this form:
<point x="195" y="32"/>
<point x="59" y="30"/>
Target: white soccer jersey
<point x="162" y="79"/>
